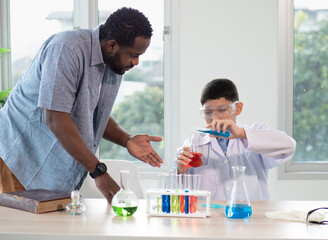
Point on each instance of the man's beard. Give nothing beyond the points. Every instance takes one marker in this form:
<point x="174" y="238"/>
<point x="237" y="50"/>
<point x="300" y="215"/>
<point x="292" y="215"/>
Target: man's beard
<point x="114" y="64"/>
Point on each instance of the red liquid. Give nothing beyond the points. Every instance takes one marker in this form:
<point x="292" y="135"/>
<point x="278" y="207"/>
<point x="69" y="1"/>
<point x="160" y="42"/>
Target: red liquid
<point x="182" y="203"/>
<point x="196" y="160"/>
<point x="192" y="204"/>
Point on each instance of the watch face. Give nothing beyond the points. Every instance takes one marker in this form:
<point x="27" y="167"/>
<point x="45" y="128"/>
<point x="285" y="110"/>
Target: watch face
<point x="102" y="167"/>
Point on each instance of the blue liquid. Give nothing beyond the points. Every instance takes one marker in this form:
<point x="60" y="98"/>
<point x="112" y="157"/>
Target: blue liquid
<point x="238" y="211"/>
<point x="186" y="203"/>
<point x="215" y="132"/>
<point x="166" y="203"/>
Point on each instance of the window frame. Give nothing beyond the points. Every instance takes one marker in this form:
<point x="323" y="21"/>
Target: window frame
<point x="291" y="170"/>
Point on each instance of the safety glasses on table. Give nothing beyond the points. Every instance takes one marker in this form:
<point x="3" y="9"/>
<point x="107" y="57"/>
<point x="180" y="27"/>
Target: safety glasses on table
<point x="314" y="221"/>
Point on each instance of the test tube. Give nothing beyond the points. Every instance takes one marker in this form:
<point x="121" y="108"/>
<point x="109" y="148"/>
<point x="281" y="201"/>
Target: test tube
<point x="166" y="198"/>
<point x="178" y="189"/>
<point x="187" y="189"/>
<point x="181" y="189"/>
<point x="174" y="198"/>
<point x="160" y="187"/>
<point x="194" y="188"/>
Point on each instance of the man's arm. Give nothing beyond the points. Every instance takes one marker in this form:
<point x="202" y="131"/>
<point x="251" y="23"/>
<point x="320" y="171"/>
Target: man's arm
<point x="138" y="145"/>
<point x="115" y="133"/>
<point x="66" y="132"/>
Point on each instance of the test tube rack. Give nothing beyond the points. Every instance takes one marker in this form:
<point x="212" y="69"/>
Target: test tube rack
<point x="153" y="208"/>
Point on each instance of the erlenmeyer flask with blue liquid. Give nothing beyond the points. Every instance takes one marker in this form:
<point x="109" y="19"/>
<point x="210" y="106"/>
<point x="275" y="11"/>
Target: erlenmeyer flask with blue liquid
<point x="238" y="205"/>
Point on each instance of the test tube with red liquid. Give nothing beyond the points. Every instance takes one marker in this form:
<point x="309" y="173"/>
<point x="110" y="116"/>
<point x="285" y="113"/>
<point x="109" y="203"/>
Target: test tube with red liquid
<point x="194" y="186"/>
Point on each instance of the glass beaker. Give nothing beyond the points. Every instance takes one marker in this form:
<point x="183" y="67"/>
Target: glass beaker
<point x="124" y="202"/>
<point x="238" y="205"/>
<point x="193" y="143"/>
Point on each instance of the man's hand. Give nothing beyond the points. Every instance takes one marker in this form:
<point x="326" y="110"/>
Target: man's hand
<point x="139" y="146"/>
<point x="107" y="186"/>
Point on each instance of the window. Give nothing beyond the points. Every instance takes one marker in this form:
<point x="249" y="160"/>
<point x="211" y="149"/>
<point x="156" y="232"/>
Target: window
<point x="29" y="29"/>
<point x="303" y="49"/>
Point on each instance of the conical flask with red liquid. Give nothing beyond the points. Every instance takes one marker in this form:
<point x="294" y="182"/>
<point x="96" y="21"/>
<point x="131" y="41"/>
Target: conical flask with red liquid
<point x="193" y="143"/>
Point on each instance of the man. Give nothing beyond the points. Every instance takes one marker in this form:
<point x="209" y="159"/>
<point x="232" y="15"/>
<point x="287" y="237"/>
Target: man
<point x="60" y="109"/>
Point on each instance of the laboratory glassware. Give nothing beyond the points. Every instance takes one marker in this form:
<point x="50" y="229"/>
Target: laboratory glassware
<point x="160" y="187"/>
<point x="75" y="207"/>
<point x="166" y="205"/>
<point x="195" y="179"/>
<point x="125" y="202"/>
<point x="175" y="199"/>
<point x="193" y="143"/>
<point x="238" y="205"/>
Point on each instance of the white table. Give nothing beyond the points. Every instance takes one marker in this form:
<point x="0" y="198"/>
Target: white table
<point x="100" y="222"/>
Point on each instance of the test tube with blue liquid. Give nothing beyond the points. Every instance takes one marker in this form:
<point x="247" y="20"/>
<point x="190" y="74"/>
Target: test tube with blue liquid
<point x="187" y="183"/>
<point x="166" y="198"/>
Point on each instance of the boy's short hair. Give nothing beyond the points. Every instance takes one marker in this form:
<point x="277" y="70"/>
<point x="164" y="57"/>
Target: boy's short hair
<point x="219" y="88"/>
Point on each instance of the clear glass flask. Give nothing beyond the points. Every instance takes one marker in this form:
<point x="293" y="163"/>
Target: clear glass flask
<point x="75" y="207"/>
<point x="238" y="205"/>
<point x="125" y="202"/>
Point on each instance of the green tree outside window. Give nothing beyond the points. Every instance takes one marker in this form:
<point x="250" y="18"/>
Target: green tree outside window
<point x="310" y="100"/>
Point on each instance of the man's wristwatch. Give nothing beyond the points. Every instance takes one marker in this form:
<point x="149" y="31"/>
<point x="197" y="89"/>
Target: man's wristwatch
<point x="101" y="169"/>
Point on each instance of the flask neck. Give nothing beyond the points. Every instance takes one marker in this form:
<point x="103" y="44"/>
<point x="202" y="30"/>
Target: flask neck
<point x="238" y="173"/>
<point x="75" y="196"/>
<point x="124" y="179"/>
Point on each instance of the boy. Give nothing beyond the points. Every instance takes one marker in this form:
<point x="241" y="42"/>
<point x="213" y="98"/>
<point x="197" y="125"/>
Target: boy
<point x="255" y="146"/>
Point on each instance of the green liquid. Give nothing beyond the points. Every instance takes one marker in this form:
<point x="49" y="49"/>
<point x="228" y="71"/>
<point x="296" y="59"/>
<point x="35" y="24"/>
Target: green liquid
<point x="125" y="211"/>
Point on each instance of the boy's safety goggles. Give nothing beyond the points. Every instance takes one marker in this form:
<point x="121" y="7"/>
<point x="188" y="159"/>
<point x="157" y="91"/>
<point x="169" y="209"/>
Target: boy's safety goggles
<point x="221" y="111"/>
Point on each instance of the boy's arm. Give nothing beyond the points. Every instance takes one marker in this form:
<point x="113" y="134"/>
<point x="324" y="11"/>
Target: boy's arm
<point x="269" y="142"/>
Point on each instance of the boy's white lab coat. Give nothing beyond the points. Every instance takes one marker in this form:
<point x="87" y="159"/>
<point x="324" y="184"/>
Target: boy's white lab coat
<point x="263" y="149"/>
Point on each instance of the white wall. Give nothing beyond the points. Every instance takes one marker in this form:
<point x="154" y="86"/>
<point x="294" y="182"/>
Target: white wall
<point x="236" y="39"/>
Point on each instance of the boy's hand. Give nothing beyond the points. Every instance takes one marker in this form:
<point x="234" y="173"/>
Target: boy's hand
<point x="183" y="159"/>
<point x="227" y="125"/>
